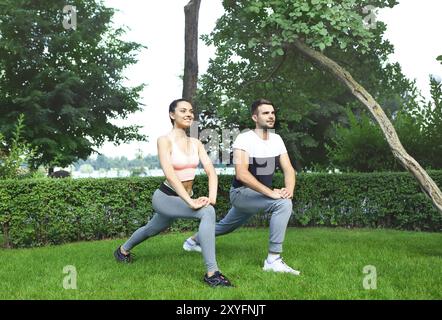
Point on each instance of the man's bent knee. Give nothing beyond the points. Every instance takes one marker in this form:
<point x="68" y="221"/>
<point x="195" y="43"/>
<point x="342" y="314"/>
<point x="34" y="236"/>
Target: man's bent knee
<point x="285" y="205"/>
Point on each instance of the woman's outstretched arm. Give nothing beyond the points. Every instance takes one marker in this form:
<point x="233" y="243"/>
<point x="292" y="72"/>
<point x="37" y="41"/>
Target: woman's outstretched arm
<point x="210" y="171"/>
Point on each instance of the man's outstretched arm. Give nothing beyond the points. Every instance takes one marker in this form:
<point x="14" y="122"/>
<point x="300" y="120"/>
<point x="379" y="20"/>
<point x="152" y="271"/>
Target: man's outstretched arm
<point x="289" y="176"/>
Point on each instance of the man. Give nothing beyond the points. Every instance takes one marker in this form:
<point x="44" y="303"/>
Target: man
<point x="256" y="155"/>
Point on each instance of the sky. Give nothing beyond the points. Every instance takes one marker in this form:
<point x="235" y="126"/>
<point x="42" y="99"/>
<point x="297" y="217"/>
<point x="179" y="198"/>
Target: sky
<point x="412" y="27"/>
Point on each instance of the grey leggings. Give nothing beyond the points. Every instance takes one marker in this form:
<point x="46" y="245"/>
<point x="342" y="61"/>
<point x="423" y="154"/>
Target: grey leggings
<point x="246" y="203"/>
<point x="167" y="209"/>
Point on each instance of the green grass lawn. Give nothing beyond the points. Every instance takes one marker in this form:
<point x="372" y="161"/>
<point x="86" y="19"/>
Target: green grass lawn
<point x="408" y="266"/>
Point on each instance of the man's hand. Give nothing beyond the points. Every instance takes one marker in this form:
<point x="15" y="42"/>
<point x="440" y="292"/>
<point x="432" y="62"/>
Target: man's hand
<point x="285" y="193"/>
<point x="276" y="194"/>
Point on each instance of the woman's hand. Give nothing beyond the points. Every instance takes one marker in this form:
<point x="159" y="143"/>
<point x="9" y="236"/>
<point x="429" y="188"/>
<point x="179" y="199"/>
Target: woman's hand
<point x="196" y="204"/>
<point x="204" y="200"/>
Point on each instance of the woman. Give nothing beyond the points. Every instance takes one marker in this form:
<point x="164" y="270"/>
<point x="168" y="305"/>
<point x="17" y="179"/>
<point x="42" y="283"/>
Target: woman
<point x="179" y="157"/>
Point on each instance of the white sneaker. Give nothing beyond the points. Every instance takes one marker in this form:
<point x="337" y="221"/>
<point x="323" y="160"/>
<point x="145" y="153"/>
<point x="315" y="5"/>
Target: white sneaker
<point x="279" y="266"/>
<point x="191" y="245"/>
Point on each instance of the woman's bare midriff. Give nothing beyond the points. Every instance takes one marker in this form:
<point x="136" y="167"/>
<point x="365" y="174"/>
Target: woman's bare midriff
<point x="188" y="186"/>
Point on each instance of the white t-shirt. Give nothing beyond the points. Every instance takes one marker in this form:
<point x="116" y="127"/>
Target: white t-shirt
<point x="263" y="155"/>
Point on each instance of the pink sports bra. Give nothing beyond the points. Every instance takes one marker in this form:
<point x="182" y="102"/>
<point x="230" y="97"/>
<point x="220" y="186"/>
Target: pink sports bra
<point x="183" y="164"/>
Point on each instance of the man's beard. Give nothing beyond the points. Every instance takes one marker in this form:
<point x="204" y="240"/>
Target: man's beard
<point x="266" y="126"/>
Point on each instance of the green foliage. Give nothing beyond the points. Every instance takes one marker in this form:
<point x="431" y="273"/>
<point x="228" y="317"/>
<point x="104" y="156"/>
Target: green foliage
<point x="433" y="126"/>
<point x="361" y="145"/>
<point x="15" y="154"/>
<point x="375" y="200"/>
<point x="68" y="83"/>
<point x="255" y="58"/>
<point x="138" y="171"/>
<point x="54" y="211"/>
<point x="320" y="23"/>
<point x="51" y="211"/>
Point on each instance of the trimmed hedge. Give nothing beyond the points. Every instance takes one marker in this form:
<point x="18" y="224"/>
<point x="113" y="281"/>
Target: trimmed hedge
<point x="53" y="211"/>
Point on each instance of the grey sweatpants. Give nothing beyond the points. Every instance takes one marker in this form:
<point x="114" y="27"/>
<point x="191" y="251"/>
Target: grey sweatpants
<point x="247" y="202"/>
<point x="167" y="209"/>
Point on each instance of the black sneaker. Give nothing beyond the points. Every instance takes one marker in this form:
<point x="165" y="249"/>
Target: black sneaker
<point x="217" y="280"/>
<point x="122" y="257"/>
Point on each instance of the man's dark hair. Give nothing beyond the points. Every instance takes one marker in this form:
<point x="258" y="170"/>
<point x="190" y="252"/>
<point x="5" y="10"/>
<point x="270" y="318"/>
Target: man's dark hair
<point x="173" y="106"/>
<point x="258" y="103"/>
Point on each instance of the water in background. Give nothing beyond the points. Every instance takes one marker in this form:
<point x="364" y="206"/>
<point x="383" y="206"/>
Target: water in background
<point x="149" y="173"/>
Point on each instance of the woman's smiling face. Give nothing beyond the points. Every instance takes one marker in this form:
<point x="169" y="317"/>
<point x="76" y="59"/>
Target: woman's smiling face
<point x="183" y="115"/>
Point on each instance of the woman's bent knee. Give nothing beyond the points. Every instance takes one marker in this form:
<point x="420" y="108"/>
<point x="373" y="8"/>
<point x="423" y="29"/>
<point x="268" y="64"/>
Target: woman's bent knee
<point x="209" y="209"/>
<point x="207" y="212"/>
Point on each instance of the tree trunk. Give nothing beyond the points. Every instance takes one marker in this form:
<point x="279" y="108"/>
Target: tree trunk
<point x="427" y="184"/>
<point x="190" y="79"/>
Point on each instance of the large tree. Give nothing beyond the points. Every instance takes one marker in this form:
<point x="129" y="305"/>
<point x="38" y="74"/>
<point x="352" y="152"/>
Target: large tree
<point x="68" y="82"/>
<point x="308" y="99"/>
<point x="311" y="30"/>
